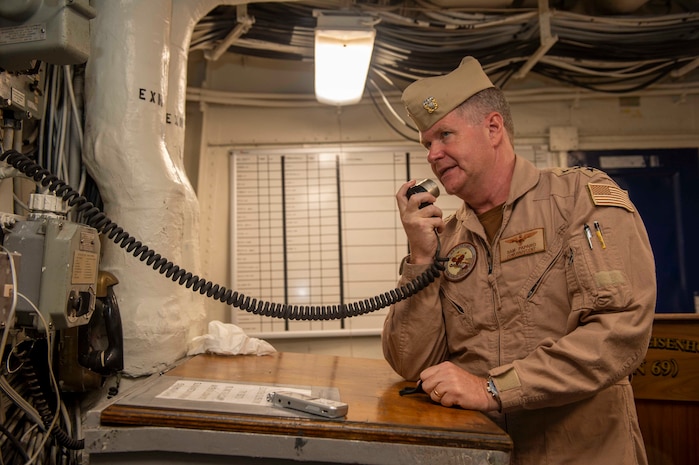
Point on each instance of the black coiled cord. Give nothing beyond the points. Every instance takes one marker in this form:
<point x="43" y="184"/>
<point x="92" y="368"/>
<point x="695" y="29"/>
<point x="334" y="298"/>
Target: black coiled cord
<point x="94" y="217"/>
<point x="36" y="392"/>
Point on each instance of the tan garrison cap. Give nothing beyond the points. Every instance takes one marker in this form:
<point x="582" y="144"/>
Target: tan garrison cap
<point x="430" y="99"/>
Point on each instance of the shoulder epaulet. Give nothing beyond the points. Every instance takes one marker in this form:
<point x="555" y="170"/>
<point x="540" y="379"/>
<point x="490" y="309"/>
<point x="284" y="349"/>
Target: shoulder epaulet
<point x="586" y="170"/>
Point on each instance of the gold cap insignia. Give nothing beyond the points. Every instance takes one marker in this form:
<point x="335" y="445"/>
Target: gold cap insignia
<point x="430" y="104"/>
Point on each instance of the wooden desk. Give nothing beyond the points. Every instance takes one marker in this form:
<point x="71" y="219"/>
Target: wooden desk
<point x="380" y="428"/>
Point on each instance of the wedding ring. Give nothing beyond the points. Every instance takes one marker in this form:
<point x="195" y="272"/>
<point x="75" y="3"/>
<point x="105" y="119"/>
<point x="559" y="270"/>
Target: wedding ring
<point x="437" y="394"/>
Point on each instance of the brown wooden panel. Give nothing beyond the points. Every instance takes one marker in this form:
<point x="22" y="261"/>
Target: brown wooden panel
<point x="670" y="430"/>
<point x="670" y="370"/>
<point x="666" y="388"/>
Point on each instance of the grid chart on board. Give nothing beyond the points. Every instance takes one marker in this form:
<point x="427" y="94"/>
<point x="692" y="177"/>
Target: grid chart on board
<point x="323" y="229"/>
<point x="318" y="229"/>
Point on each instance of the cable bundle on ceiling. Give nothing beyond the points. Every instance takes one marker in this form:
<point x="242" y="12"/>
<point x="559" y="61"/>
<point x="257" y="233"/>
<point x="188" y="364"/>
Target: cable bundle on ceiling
<point x="619" y="53"/>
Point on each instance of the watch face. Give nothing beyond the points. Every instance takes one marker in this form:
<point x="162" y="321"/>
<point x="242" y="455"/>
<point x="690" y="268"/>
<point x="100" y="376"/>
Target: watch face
<point x="461" y="261"/>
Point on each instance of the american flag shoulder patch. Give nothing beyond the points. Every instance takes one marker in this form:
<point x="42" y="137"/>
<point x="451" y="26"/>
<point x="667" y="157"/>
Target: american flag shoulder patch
<point x="608" y="195"/>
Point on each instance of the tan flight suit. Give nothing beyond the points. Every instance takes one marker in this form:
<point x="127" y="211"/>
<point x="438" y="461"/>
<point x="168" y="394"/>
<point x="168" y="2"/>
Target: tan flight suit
<point x="559" y="322"/>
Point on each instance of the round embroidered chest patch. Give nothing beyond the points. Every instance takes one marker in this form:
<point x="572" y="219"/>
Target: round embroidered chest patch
<point x="461" y="260"/>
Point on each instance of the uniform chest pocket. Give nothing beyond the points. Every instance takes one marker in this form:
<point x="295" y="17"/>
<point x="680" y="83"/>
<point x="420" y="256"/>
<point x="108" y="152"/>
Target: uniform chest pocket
<point x="597" y="278"/>
<point x="552" y="266"/>
<point x="457" y="312"/>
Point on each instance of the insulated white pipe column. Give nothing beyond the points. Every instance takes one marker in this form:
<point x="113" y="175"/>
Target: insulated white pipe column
<point x="143" y="185"/>
<point x="136" y="82"/>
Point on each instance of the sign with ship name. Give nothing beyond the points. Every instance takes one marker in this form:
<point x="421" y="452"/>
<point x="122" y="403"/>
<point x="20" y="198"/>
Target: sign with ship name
<point x="670" y="370"/>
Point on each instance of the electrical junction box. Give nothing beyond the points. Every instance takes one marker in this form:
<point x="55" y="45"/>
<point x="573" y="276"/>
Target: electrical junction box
<point x="26" y="238"/>
<point x="22" y="93"/>
<point x="563" y="138"/>
<point x="60" y="265"/>
<point x="7" y="284"/>
<point x="52" y="31"/>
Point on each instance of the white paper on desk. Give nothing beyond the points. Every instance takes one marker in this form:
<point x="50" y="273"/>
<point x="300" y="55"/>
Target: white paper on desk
<point x="228" y="339"/>
<point x="205" y="391"/>
<point x="201" y="394"/>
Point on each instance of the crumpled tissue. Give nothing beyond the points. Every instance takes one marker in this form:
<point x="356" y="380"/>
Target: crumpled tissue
<point x="228" y="339"/>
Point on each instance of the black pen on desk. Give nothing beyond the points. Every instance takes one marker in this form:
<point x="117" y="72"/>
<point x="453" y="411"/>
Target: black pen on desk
<point x="588" y="234"/>
<point x="598" y="230"/>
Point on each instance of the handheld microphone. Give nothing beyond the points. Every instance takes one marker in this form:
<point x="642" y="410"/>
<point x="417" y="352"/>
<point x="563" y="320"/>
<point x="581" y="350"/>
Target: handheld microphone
<point x="426" y="185"/>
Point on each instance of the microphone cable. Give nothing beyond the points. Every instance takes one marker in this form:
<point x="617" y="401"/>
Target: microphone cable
<point x="95" y="218"/>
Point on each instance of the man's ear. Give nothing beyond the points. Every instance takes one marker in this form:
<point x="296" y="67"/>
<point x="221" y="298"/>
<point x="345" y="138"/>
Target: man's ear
<point x="496" y="127"/>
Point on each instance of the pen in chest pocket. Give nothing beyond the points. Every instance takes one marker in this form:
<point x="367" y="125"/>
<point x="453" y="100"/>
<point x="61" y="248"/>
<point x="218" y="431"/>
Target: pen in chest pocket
<point x="598" y="230"/>
<point x="588" y="235"/>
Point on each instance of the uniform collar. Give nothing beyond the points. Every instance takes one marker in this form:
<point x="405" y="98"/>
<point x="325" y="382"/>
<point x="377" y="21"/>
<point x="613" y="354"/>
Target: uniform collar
<point x="524" y="178"/>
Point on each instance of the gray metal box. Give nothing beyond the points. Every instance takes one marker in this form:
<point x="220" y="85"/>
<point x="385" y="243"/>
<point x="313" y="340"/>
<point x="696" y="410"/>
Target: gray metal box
<point x="53" y="31"/>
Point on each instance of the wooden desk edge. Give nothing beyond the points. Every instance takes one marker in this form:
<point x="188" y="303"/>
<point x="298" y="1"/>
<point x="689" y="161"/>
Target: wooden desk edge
<point x="122" y="415"/>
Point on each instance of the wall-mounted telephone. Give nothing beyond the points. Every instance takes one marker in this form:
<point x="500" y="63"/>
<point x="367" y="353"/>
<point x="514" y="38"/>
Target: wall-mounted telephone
<point x="58" y="267"/>
<point x="98" y="220"/>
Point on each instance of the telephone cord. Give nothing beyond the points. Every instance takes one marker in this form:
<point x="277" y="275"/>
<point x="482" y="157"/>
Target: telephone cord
<point x="95" y="218"/>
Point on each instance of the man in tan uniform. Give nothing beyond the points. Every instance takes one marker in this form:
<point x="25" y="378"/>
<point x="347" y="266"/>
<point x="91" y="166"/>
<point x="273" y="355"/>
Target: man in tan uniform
<point x="546" y="304"/>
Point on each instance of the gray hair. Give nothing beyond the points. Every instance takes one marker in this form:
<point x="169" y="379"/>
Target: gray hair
<point x="486" y="101"/>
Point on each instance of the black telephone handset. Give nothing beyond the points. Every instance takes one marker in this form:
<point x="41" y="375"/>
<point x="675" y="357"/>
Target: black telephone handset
<point x="426" y="185"/>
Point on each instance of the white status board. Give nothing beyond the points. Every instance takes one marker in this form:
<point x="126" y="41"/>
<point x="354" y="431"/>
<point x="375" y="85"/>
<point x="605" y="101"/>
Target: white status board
<point x="319" y="227"/>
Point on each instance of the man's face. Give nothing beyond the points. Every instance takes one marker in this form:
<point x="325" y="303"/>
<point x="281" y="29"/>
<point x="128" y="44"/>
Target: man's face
<point x="460" y="154"/>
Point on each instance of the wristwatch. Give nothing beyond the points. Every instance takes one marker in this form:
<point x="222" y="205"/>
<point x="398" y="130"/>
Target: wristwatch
<point x="490" y="387"/>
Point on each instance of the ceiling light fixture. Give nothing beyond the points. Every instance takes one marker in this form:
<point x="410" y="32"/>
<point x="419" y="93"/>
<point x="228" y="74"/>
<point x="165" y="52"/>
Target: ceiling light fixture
<point x="343" y="47"/>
